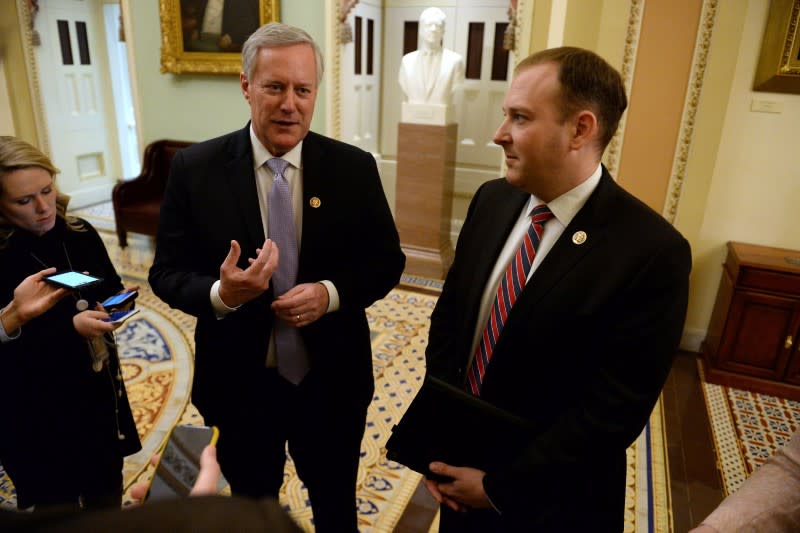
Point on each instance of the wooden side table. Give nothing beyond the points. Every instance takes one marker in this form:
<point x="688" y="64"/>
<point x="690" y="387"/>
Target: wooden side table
<point x="752" y="340"/>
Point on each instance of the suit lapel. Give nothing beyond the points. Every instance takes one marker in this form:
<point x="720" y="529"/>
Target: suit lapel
<point x="241" y="180"/>
<point x="566" y="252"/>
<point x="316" y="184"/>
<point x="492" y="236"/>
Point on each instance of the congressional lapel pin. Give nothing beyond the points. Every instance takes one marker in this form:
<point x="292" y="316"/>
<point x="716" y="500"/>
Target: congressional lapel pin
<point x="315" y="202"/>
<point x="579" y="237"/>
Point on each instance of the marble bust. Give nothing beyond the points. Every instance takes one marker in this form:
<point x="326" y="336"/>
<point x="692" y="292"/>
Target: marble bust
<point x="431" y="74"/>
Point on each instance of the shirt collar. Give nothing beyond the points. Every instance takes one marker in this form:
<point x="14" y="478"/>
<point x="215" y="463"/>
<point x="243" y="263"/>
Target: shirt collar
<point x="566" y="206"/>
<point x="261" y="155"/>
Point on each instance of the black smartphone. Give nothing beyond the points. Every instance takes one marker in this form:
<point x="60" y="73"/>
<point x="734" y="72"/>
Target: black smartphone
<point x="179" y="464"/>
<point x="72" y="280"/>
<point x="118" y="300"/>
<point x="118" y="317"/>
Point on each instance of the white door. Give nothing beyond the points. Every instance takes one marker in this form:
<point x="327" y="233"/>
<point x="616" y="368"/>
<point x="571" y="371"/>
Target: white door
<point x="121" y="88"/>
<point x="75" y="87"/>
<point x="480" y="101"/>
<point x="360" y="77"/>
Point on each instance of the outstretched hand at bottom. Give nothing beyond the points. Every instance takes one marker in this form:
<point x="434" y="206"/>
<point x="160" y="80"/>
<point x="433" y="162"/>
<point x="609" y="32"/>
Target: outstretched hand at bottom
<point x="207" y="479"/>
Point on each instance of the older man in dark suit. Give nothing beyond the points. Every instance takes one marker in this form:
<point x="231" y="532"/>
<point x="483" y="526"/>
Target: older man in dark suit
<point x="573" y="295"/>
<point x="282" y="342"/>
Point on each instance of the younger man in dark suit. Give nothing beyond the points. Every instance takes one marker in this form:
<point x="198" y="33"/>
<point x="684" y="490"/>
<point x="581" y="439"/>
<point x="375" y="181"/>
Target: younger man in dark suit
<point x="282" y="342"/>
<point x="578" y="336"/>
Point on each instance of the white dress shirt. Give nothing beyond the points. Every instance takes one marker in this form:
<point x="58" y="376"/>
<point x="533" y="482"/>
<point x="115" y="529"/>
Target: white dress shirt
<point x="564" y="209"/>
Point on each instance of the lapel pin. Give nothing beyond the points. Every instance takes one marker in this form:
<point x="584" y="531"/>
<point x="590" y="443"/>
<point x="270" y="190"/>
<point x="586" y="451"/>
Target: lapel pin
<point x="579" y="237"/>
<point x="315" y="202"/>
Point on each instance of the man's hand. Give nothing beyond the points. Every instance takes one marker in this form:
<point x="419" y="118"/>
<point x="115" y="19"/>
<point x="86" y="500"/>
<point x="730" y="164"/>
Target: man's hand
<point x="207" y="479"/>
<point x="237" y="286"/>
<point x="225" y="42"/>
<point x="32" y="297"/>
<point x="210" y="472"/>
<point x="465" y="491"/>
<point x="302" y="304"/>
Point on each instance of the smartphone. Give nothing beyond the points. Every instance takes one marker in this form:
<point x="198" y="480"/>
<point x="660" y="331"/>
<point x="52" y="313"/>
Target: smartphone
<point x="72" y="280"/>
<point x="179" y="464"/>
<point x="118" y="317"/>
<point x="118" y="300"/>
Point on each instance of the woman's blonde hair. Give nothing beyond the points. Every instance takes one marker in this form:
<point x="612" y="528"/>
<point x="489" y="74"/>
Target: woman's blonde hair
<point x="16" y="154"/>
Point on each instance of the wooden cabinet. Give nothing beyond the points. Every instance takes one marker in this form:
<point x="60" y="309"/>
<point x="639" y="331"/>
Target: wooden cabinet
<point x="752" y="340"/>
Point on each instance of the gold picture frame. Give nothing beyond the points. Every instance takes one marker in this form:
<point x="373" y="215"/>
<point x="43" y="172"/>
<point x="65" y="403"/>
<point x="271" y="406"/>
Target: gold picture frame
<point x="778" y="67"/>
<point x="185" y="48"/>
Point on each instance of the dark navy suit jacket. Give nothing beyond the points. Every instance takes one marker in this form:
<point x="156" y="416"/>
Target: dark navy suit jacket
<point x="583" y="355"/>
<point x="349" y="238"/>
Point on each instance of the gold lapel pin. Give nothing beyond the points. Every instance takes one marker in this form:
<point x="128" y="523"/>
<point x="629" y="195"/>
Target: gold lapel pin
<point x="579" y="237"/>
<point x="315" y="202"/>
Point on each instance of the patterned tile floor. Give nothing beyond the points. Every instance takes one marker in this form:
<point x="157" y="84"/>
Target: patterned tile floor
<point x="748" y="428"/>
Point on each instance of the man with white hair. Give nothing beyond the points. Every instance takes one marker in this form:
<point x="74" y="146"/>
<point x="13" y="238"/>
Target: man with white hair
<point x="277" y="239"/>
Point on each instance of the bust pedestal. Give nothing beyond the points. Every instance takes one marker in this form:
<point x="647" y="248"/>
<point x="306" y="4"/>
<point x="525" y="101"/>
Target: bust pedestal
<point x="426" y="156"/>
<point x="436" y="114"/>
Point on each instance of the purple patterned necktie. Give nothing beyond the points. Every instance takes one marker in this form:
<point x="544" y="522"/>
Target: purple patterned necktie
<point x="510" y="288"/>
<point x="293" y="361"/>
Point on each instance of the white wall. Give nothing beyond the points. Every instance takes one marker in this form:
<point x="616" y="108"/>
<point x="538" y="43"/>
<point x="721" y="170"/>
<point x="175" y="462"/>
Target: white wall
<point x="753" y="193"/>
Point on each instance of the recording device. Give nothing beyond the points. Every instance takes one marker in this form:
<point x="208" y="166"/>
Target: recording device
<point x="118" y="300"/>
<point x="179" y="464"/>
<point x="118" y="317"/>
<point x="72" y="280"/>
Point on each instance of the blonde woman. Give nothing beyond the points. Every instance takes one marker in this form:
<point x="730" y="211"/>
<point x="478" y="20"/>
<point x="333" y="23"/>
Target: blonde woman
<point x="66" y="423"/>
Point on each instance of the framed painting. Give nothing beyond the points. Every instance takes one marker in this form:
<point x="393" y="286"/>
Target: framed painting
<point x="778" y="67"/>
<point x="206" y="36"/>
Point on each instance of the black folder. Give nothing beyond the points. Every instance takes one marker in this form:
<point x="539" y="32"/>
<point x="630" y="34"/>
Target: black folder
<point x="445" y="423"/>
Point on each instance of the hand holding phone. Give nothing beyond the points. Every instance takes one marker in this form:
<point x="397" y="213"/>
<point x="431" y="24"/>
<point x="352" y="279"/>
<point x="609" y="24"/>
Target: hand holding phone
<point x="179" y="465"/>
<point x="72" y="280"/>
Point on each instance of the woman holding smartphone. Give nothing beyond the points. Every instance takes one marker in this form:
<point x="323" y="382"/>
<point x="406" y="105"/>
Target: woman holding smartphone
<point x="66" y="423"/>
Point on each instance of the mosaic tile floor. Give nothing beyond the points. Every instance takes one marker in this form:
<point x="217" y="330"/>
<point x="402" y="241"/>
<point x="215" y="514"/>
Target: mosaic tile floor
<point x="748" y="427"/>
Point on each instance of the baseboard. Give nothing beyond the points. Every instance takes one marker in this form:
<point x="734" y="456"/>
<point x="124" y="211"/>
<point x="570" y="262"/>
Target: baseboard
<point x="692" y="340"/>
<point x="90" y="196"/>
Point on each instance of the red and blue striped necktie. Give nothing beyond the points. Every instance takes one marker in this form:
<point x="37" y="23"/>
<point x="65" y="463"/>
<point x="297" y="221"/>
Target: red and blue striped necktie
<point x="507" y="293"/>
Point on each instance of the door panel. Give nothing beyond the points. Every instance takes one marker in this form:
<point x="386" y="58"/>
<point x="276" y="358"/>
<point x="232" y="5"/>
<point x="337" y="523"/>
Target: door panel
<point x="360" y="78"/>
<point x="481" y="99"/>
<point x="756" y="331"/>
<point x="73" y="71"/>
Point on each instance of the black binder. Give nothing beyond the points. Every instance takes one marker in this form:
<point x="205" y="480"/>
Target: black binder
<point x="447" y="424"/>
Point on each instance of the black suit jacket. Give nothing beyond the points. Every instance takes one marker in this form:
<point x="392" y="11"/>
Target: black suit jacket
<point x="349" y="239"/>
<point x="584" y="352"/>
